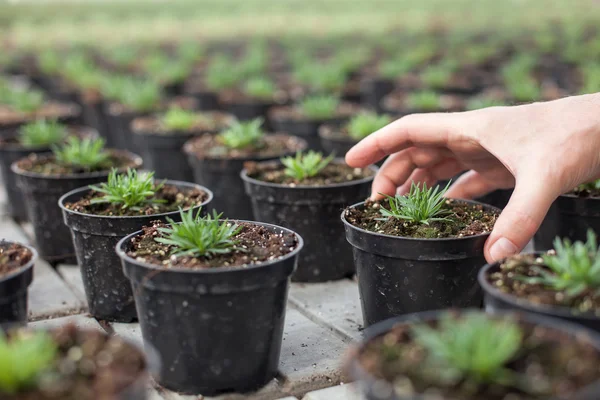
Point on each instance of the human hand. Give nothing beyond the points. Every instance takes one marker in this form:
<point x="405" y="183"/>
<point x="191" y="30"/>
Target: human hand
<point x="540" y="149"/>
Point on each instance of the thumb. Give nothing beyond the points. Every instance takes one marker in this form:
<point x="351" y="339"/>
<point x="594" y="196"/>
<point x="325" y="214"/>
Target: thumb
<point x="521" y="218"/>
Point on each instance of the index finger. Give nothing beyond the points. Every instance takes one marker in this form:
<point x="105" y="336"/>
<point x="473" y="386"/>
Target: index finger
<point x="419" y="130"/>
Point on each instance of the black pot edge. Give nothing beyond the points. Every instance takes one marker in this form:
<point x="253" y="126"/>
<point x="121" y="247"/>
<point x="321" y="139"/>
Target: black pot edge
<point x="23" y="268"/>
<point x="549" y="311"/>
<point x="63" y="198"/>
<point x="374" y="331"/>
<point x="125" y="258"/>
<point x="246" y="178"/>
<point x="364" y="231"/>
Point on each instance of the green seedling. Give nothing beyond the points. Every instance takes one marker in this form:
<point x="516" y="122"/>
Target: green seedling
<point x="42" y="133"/>
<point x="178" y="119"/>
<point x="319" y="107"/>
<point x="49" y="61"/>
<point x="243" y="134"/>
<point x="85" y="153"/>
<point x="190" y="51"/>
<point x="139" y="95"/>
<point x="424" y="101"/>
<point x="130" y="191"/>
<point x="325" y="78"/>
<point x="421" y="205"/>
<point x="438" y="76"/>
<point x="222" y="73"/>
<point x="199" y="236"/>
<point x="305" y="165"/>
<point x="25" y="101"/>
<point x="362" y="125"/>
<point x="477" y="103"/>
<point x="260" y="88"/>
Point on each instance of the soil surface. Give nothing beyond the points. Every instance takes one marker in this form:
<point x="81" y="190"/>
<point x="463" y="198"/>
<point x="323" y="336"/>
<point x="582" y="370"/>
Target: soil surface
<point x="208" y="121"/>
<point x="465" y="220"/>
<point x="272" y="145"/>
<point x="553" y="362"/>
<point x="506" y="279"/>
<point x="397" y="102"/>
<point x="49" y="110"/>
<point x="331" y="174"/>
<point x="90" y="365"/>
<point x="344" y="110"/>
<point x="47" y="165"/>
<point x="235" y="96"/>
<point x="255" y="245"/>
<point x="171" y="199"/>
<point x="12" y="257"/>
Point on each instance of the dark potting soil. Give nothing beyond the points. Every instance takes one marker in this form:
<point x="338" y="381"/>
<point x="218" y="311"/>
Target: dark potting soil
<point x="172" y="199"/>
<point x="49" y="110"/>
<point x="47" y="165"/>
<point x="254" y="244"/>
<point x="295" y="112"/>
<point x="90" y="365"/>
<point x="331" y="174"/>
<point x="206" y="121"/>
<point x="465" y="220"/>
<point x="209" y="146"/>
<point x="13" y="257"/>
<point x="506" y="279"/>
<point x="550" y="361"/>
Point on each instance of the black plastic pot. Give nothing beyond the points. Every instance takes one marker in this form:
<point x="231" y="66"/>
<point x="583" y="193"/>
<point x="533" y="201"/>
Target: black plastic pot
<point x="306" y="129"/>
<point x="378" y="389"/>
<point x="41" y="194"/>
<point x="13" y="290"/>
<point x="373" y="90"/>
<point x="246" y="110"/>
<point x="216" y="330"/>
<point x="313" y="212"/>
<point x="332" y="143"/>
<point x="495" y="301"/>
<point x="107" y="290"/>
<point x="164" y="155"/>
<point x="207" y="100"/>
<point x="118" y="127"/>
<point x="399" y="275"/>
<point x="570" y="217"/>
<point x="498" y="198"/>
<point x="222" y="176"/>
<point x="70" y="115"/>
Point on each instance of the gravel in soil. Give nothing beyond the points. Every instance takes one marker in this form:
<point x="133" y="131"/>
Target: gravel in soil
<point x="12" y="257"/>
<point x="47" y="165"/>
<point x="464" y="220"/>
<point x="550" y="362"/>
<point x="90" y="365"/>
<point x="331" y="174"/>
<point x="208" y="121"/>
<point x="272" y="145"/>
<point x="254" y="245"/>
<point x="506" y="278"/>
<point x="170" y="199"/>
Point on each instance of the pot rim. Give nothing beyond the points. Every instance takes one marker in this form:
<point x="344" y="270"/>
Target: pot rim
<point x="29" y="265"/>
<point x="87" y="131"/>
<point x="518" y="302"/>
<point x="380" y="328"/>
<point x="220" y="270"/>
<point x="364" y="231"/>
<point x="136" y="162"/>
<point x="63" y="198"/>
<point x="257" y="182"/>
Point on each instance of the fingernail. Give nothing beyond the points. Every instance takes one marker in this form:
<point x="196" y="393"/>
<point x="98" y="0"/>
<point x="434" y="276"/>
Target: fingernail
<point x="502" y="249"/>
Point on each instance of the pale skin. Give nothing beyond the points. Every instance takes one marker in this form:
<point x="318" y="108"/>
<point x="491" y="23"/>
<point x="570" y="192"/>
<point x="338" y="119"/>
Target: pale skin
<point x="542" y="150"/>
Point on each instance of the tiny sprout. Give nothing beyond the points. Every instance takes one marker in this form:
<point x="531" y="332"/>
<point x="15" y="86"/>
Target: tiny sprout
<point x="241" y="135"/>
<point x="472" y="348"/>
<point x="320" y="107"/>
<point x="306" y="165"/>
<point x="87" y="153"/>
<point x="425" y="101"/>
<point x="139" y="95"/>
<point x="42" y="133"/>
<point x="25" y="100"/>
<point x="199" y="236"/>
<point x="362" y="125"/>
<point x="574" y="268"/>
<point x="477" y="103"/>
<point x="421" y="205"/>
<point x="130" y="191"/>
<point x="261" y="88"/>
<point x="178" y="119"/>
<point x="23" y="359"/>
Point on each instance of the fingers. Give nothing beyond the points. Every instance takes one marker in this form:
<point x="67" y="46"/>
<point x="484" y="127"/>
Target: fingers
<point x="432" y="175"/>
<point x="417" y="129"/>
<point x="469" y="186"/>
<point x="521" y="218"/>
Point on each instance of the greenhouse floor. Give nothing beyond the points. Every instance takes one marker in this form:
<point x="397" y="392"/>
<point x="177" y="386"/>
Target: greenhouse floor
<point x="321" y="321"/>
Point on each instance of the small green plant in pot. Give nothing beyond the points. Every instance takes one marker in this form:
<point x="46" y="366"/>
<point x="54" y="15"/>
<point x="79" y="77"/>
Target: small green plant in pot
<point x="33" y="365"/>
<point x="470" y="355"/>
<point x="392" y="233"/>
<point x="43" y="179"/>
<point x="563" y="282"/>
<point x="101" y="215"/>
<point x="216" y="160"/>
<point x="252" y="100"/>
<point x="300" y="187"/>
<point x="341" y="139"/>
<point x="187" y="256"/>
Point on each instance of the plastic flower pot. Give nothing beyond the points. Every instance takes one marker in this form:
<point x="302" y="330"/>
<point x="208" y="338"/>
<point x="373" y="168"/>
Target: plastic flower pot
<point x="378" y="389"/>
<point x="13" y="290"/>
<point x="66" y="113"/>
<point x="313" y="212"/>
<point x="332" y="143"/>
<point x="570" y="216"/>
<point x="216" y="330"/>
<point x="95" y="237"/>
<point x="496" y="300"/>
<point x="245" y="110"/>
<point x="373" y="90"/>
<point x="42" y="192"/>
<point x="402" y="275"/>
<point x="498" y="198"/>
<point x="118" y="123"/>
